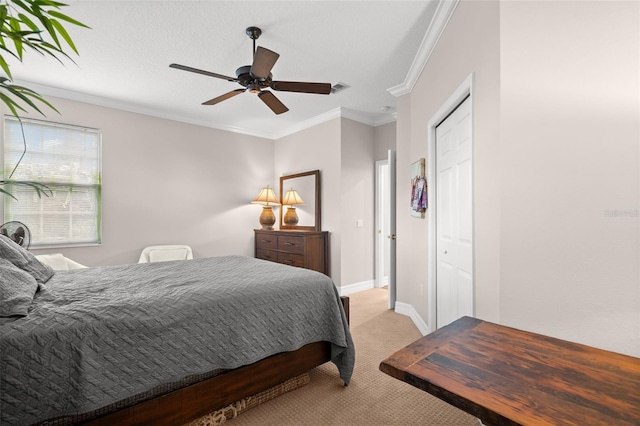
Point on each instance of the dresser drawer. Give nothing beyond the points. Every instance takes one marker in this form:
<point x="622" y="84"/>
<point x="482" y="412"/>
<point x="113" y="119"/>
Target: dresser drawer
<point x="266" y="242"/>
<point x="304" y="249"/>
<point x="291" y="244"/>
<point x="291" y="259"/>
<point x="267" y="255"/>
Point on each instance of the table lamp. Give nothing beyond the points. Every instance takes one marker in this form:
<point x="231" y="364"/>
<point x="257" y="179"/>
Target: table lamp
<point x="268" y="199"/>
<point x="291" y="199"/>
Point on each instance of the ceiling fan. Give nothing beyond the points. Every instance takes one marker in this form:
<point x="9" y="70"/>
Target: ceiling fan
<point x="257" y="77"/>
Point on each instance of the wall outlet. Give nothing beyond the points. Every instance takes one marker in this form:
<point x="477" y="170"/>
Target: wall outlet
<point x="359" y="223"/>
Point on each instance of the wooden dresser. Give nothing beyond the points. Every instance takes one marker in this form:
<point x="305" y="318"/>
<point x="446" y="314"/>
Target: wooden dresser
<point x="305" y="249"/>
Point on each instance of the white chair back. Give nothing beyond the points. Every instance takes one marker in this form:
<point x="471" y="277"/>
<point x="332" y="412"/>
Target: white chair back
<point x="164" y="253"/>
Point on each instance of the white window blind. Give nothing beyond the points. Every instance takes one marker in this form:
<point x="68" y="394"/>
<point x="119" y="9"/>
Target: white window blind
<point x="67" y="160"/>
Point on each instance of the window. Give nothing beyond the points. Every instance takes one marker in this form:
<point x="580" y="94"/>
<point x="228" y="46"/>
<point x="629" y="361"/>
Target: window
<point x="67" y="160"/>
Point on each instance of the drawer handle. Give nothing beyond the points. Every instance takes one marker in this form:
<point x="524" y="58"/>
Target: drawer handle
<point x="266" y="256"/>
<point x="289" y="244"/>
<point x="265" y="241"/>
<point x="288" y="262"/>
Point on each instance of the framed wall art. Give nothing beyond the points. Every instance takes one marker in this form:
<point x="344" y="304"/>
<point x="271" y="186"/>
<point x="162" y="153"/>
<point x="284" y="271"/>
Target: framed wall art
<point x="418" y="189"/>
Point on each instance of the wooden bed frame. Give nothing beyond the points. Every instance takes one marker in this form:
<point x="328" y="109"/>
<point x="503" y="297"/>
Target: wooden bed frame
<point x="191" y="402"/>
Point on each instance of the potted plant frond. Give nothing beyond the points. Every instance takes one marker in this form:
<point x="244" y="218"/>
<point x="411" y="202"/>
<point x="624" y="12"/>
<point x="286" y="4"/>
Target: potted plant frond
<point x="37" y="26"/>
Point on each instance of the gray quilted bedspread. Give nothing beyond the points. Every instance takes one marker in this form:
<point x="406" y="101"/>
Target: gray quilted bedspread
<point x="99" y="335"/>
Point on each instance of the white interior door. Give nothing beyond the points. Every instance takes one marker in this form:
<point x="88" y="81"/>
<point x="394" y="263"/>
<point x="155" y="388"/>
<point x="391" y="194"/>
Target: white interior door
<point x="383" y="259"/>
<point x="454" y="196"/>
<point x="391" y="157"/>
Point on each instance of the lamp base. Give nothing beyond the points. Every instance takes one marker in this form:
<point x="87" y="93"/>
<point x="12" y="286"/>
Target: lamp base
<point x="267" y="218"/>
<point x="291" y="217"/>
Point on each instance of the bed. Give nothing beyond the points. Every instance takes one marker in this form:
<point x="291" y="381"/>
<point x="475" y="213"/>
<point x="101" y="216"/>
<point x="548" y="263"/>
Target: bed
<point x="165" y="343"/>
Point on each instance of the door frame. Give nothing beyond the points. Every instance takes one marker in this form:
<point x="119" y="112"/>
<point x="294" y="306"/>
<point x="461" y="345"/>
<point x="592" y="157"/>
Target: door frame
<point x="391" y="231"/>
<point x="464" y="89"/>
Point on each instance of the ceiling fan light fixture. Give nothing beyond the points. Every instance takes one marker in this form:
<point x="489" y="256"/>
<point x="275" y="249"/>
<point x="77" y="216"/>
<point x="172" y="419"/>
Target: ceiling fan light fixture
<point x="253" y="88"/>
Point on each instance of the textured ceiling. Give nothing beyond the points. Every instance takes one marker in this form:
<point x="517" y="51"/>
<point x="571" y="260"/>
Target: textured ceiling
<point x="124" y="58"/>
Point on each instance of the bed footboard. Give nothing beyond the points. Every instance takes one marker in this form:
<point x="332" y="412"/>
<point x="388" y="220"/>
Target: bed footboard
<point x="345" y="305"/>
<point x="189" y="403"/>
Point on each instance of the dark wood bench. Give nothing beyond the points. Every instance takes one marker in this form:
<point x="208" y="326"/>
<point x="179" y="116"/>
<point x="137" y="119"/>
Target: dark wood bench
<point x="505" y="376"/>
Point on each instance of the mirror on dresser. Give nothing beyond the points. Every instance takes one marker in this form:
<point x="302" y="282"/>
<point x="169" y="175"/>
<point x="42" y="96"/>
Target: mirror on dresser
<point x="300" y="199"/>
<point x="299" y="241"/>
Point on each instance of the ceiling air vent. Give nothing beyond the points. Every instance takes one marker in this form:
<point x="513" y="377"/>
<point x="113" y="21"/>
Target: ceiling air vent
<point x="339" y="87"/>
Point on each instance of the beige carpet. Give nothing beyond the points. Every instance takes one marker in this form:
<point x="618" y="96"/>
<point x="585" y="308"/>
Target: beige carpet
<point x="372" y="398"/>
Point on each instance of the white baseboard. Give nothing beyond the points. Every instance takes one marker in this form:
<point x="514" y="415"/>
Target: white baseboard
<point x="408" y="310"/>
<point x="345" y="290"/>
<point x="400" y="308"/>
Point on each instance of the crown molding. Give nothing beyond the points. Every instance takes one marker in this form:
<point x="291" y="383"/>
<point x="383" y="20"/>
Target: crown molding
<point x="137" y="109"/>
<point x="313" y="121"/>
<point x="436" y="28"/>
<point x="129" y="107"/>
<point x="336" y="113"/>
<point x="386" y="119"/>
<point x="365" y="119"/>
<point x="356" y="116"/>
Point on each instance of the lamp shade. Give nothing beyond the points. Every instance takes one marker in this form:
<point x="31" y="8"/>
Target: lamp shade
<point x="266" y="197"/>
<point x="292" y="198"/>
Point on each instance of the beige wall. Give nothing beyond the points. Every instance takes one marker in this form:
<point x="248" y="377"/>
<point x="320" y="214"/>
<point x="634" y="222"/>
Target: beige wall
<point x="556" y="133"/>
<point x="166" y="182"/>
<point x="317" y="148"/>
<point x="357" y="189"/>
<point x="469" y="45"/>
<point x="570" y="146"/>
<point x="342" y="150"/>
<point x="384" y="139"/>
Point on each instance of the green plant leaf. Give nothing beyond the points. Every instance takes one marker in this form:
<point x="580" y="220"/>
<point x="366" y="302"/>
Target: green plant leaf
<point x="11" y="104"/>
<point x="16" y="36"/>
<point x="5" y="67"/>
<point x="67" y="19"/>
<point x="40" y="188"/>
<point x="7" y="192"/>
<point x="28" y="22"/>
<point x="32" y="25"/>
<point x="22" y="93"/>
<point x="21" y="4"/>
<point x="58" y="26"/>
<point x="3" y="13"/>
<point x="50" y="29"/>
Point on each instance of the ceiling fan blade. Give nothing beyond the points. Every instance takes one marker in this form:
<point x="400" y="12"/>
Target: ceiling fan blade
<point x="210" y="74"/>
<point x="299" y="86"/>
<point x="272" y="102"/>
<point x="224" y="97"/>
<point x="263" y="61"/>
